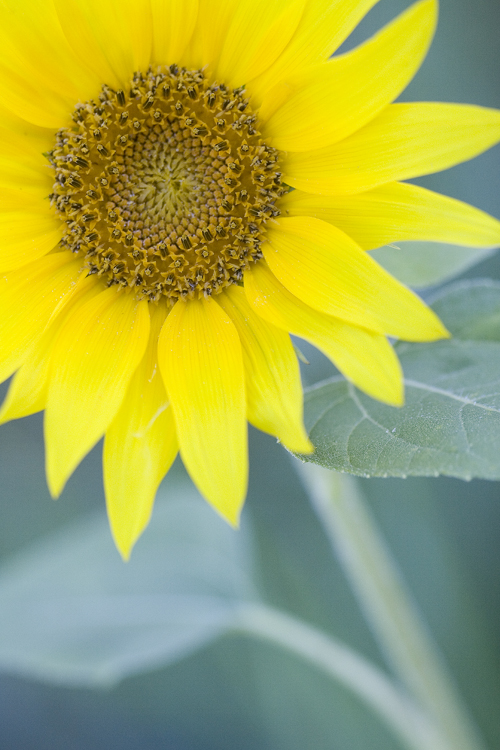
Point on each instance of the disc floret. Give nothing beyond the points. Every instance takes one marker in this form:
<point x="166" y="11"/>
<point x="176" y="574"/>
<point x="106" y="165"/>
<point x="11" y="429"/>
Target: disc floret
<point x="166" y="188"/>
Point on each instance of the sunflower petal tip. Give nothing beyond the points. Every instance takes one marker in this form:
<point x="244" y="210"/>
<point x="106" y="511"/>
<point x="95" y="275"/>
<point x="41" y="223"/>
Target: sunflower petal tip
<point x="303" y="447"/>
<point x="124" y="537"/>
<point x="231" y="513"/>
<point x="439" y="331"/>
<point x="398" y="401"/>
<point x="392" y="394"/>
<point x="54" y="489"/>
<point x="56" y="477"/>
<point x="430" y="7"/>
<point x="125" y="550"/>
<point x="308" y="448"/>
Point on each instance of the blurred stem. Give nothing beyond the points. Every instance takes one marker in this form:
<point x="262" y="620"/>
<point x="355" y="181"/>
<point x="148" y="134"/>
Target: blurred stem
<point x="347" y="667"/>
<point x="387" y="604"/>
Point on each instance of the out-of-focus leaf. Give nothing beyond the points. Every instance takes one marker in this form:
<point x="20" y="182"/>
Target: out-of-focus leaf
<point x="471" y="309"/>
<point x="74" y="613"/>
<point x="421" y="264"/>
<point x="450" y="423"/>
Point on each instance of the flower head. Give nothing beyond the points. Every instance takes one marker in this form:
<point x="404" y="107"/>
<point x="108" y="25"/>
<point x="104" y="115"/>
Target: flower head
<point x="154" y="255"/>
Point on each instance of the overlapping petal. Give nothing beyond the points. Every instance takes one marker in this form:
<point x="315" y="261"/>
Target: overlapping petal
<point x="398" y="211"/>
<point x="257" y="33"/>
<point x="96" y="353"/>
<point x="324" y="25"/>
<point x="364" y="357"/>
<point x="212" y="24"/>
<point x="333" y="100"/>
<point x="151" y="378"/>
<point x="29" y="298"/>
<point x="25" y="237"/>
<point x="200" y="358"/>
<point x="43" y="94"/>
<point x="22" y="138"/>
<point x="27" y="392"/>
<point x="403" y="141"/>
<point x="31" y="176"/>
<point x="139" y="447"/>
<point x="324" y="268"/>
<point x="272" y="376"/>
<point x="173" y="26"/>
<point x="113" y="38"/>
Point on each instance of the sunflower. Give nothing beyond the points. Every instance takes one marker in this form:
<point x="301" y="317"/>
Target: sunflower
<point x="183" y="185"/>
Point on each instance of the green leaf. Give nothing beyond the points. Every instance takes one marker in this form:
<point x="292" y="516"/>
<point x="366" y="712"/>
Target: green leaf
<point x="471" y="310"/>
<point x="421" y="264"/>
<point x="450" y="423"/>
<point x="74" y="613"/>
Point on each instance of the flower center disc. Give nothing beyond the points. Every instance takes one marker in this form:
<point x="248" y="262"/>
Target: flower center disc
<point x="166" y="189"/>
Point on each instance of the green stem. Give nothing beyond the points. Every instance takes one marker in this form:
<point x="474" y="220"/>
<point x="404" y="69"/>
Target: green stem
<point x="387" y="604"/>
<point x="350" y="669"/>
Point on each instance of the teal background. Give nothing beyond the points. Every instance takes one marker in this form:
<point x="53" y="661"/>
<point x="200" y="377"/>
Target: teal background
<point x="444" y="533"/>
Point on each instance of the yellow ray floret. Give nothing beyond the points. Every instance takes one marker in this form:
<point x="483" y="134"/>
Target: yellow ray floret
<point x="323" y="27"/>
<point x="27" y="392"/>
<point x="272" y="377"/>
<point x="364" y="357"/>
<point x="200" y="358"/>
<point x="258" y="32"/>
<point x="398" y="211"/>
<point x="153" y="258"/>
<point x="139" y="447"/>
<point x="97" y="350"/>
<point x="403" y="141"/>
<point x="173" y="25"/>
<point x="28" y="389"/>
<point x="331" y="101"/>
<point x="25" y="237"/>
<point x="111" y="38"/>
<point x="29" y="298"/>
<point x="324" y="268"/>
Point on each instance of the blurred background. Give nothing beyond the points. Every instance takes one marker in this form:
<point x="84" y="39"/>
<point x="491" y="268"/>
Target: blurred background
<point x="238" y="692"/>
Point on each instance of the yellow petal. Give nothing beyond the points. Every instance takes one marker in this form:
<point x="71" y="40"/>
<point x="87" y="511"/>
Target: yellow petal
<point x="139" y="447"/>
<point x="98" y="348"/>
<point x="398" y="211"/>
<point x="39" y="106"/>
<point x="22" y="137"/>
<point x="201" y="362"/>
<point x="27" y="392"/>
<point x="33" y="176"/>
<point x="173" y="26"/>
<point x="403" y="141"/>
<point x="25" y="237"/>
<point x="23" y="199"/>
<point x="259" y="31"/>
<point x="214" y="19"/>
<point x="272" y="376"/>
<point x="28" y="389"/>
<point x="365" y="358"/>
<point x="336" y="98"/>
<point x="26" y="178"/>
<point x="324" y="268"/>
<point x="29" y="298"/>
<point x="324" y="25"/>
<point x="112" y="37"/>
<point x="44" y="94"/>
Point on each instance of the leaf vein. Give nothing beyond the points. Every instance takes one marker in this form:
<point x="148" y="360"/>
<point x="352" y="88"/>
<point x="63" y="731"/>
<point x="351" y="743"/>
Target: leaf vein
<point x="441" y="392"/>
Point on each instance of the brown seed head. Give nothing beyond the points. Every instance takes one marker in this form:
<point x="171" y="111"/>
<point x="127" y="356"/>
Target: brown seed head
<point x="166" y="188"/>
